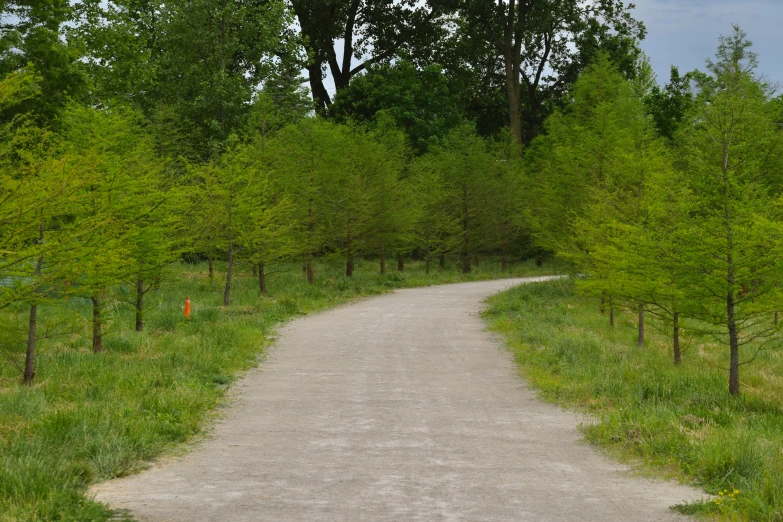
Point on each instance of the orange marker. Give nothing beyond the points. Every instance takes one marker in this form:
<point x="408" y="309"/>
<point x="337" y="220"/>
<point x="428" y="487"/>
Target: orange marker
<point x="187" y="308"/>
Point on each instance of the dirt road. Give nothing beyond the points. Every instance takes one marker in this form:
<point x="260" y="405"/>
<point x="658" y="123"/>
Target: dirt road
<point x="399" y="408"/>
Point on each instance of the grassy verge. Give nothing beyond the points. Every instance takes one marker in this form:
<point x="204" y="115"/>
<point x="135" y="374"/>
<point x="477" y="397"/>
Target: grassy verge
<point x="93" y="417"/>
<point x="675" y="421"/>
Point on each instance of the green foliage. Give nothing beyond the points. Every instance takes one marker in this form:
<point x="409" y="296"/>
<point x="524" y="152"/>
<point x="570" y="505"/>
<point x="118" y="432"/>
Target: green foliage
<point x="418" y="101"/>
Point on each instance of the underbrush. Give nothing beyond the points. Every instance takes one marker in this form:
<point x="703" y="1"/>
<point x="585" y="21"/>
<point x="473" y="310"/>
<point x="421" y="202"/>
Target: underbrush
<point x="674" y="421"/>
<point x="89" y="417"/>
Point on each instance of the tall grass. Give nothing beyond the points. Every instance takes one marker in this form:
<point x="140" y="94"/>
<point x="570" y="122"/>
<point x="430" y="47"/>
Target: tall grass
<point x="92" y="417"/>
<point x="679" y="421"/>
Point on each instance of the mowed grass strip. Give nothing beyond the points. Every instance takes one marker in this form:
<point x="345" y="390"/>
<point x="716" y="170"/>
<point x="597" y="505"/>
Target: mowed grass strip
<point x="674" y="421"/>
<point x="92" y="417"/>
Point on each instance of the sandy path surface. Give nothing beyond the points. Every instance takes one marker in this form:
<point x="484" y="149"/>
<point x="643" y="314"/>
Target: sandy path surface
<point x="400" y="407"/>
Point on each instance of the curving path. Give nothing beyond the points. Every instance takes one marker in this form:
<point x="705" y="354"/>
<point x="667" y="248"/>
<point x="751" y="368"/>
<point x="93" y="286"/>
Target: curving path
<point x="399" y="408"/>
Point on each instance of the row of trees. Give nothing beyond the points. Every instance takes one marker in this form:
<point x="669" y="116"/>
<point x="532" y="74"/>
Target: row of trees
<point x="137" y="131"/>
<point x="677" y="213"/>
<point x="94" y="205"/>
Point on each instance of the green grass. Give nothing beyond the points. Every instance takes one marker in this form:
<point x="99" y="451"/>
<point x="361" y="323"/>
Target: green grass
<point x="678" y="422"/>
<point x="92" y="417"/>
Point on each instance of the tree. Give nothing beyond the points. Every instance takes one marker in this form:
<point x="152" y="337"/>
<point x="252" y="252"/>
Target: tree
<point x="533" y="37"/>
<point x="436" y="229"/>
<point x="116" y="165"/>
<point x="417" y="101"/>
<point x="731" y="239"/>
<point x="463" y="164"/>
<point x="391" y="212"/>
<point x="307" y="158"/>
<point x="668" y="106"/>
<point x="33" y="39"/>
<point x="383" y="29"/>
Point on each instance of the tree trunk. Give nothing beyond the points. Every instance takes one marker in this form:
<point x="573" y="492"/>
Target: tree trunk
<point x="512" y="92"/>
<point x="476" y="260"/>
<point x="676" y="335"/>
<point x="504" y="262"/>
<point x="349" y="260"/>
<point x="400" y="263"/>
<point x="611" y="312"/>
<point x="603" y="303"/>
<point x="211" y="264"/>
<point x="97" y="325"/>
<point x="229" y="274"/>
<point x="139" y="304"/>
<point x="255" y="270"/>
<point x="262" y="279"/>
<point x="734" y="382"/>
<point x="29" y="362"/>
<point x="427" y="250"/>
<point x="776" y="318"/>
<point x="442" y="261"/>
<point x="640" y="343"/>
<point x="309" y="269"/>
<point x="382" y="258"/>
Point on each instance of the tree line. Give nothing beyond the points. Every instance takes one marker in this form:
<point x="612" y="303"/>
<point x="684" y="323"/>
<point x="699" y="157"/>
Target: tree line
<point x="93" y="206"/>
<point x="136" y="133"/>
<point x="668" y="201"/>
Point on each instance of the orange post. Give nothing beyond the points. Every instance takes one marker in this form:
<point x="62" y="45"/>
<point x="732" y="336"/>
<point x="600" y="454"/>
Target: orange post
<point x="187" y="308"/>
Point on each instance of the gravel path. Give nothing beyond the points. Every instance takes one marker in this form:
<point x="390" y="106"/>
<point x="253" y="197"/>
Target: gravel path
<point x="401" y="407"/>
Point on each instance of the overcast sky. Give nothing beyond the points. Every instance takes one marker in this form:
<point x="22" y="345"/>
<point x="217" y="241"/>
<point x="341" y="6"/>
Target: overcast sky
<point x="685" y="32"/>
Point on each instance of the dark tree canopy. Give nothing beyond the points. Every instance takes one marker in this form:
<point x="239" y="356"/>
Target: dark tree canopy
<point x="419" y="101"/>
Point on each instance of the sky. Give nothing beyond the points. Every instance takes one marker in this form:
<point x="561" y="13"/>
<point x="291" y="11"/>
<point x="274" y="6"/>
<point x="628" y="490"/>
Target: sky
<point x="685" y="32"/>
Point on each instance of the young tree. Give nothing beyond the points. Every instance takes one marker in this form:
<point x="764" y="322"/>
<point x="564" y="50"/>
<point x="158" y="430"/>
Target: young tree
<point x="463" y="163"/>
<point x="307" y="158"/>
<point x="730" y="243"/>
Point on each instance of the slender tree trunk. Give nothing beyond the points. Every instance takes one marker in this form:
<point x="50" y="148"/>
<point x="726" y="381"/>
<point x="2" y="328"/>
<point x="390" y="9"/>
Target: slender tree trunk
<point x="504" y="262"/>
<point x="383" y="258"/>
<point x="262" y="279"/>
<point x="734" y="382"/>
<point x="640" y="344"/>
<point x="97" y="325"/>
<point x="255" y="270"/>
<point x="229" y="274"/>
<point x="29" y="360"/>
<point x="776" y="318"/>
<point x="211" y="264"/>
<point x="603" y="302"/>
<point x="400" y="263"/>
<point x="427" y="250"/>
<point x="676" y="335"/>
<point x="512" y="91"/>
<point x="611" y="312"/>
<point x="309" y="269"/>
<point x="442" y="261"/>
<point x="731" y="320"/>
<point x="139" y="304"/>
